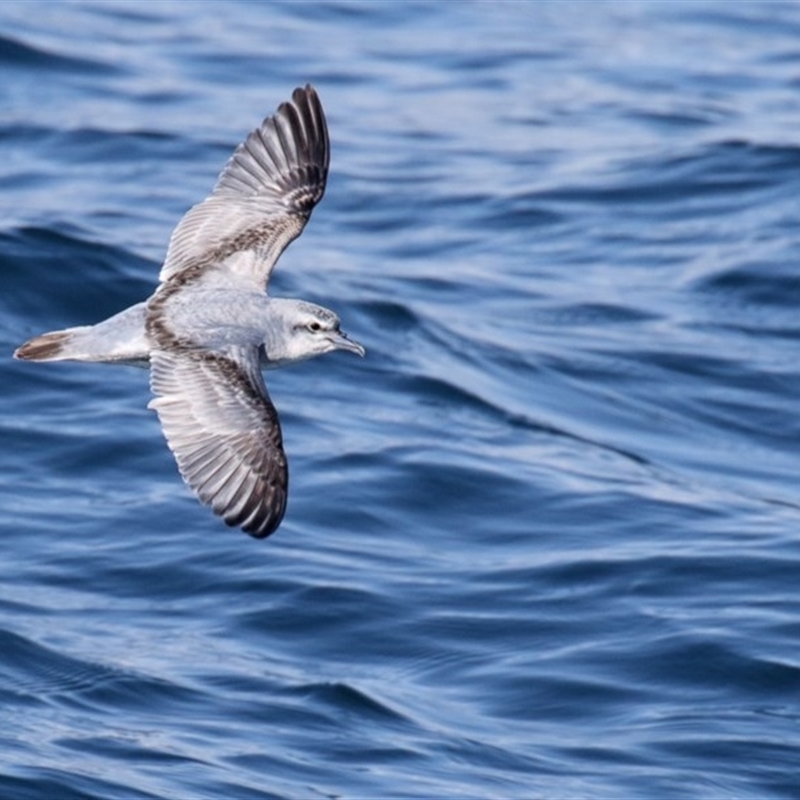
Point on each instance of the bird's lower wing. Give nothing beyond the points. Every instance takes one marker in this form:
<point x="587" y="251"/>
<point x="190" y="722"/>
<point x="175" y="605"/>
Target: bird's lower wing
<point x="224" y="433"/>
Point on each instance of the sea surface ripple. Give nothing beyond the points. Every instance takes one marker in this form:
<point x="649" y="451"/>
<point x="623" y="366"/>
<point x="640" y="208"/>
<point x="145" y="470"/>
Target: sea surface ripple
<point x="544" y="541"/>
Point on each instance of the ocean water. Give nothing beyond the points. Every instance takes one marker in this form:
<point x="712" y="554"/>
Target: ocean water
<point x="544" y="540"/>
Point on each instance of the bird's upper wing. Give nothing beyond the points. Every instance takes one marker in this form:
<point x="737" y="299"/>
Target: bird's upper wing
<point x="224" y="433"/>
<point x="262" y="198"/>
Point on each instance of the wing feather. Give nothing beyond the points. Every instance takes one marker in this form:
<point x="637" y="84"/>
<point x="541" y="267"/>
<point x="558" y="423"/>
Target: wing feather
<point x="224" y="432"/>
<point x="261" y="201"/>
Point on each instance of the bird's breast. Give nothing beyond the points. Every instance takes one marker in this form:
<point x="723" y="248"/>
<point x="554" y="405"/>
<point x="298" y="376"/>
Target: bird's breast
<point x="216" y="318"/>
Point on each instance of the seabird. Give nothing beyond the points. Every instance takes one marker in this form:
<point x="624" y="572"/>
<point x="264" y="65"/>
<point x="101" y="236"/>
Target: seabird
<point x="209" y="327"/>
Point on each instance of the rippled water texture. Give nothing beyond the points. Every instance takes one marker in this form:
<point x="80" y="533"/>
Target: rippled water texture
<point x="541" y="542"/>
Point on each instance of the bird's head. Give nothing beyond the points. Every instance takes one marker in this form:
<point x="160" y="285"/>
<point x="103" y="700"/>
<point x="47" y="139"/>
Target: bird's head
<point x="308" y="330"/>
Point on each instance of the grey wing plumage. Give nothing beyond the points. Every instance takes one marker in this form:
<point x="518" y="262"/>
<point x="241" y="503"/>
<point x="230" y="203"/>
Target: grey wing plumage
<point x="262" y="199"/>
<point x="224" y="433"/>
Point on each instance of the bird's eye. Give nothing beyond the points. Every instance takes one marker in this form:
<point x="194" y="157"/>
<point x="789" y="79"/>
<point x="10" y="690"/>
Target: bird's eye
<point x="314" y="326"/>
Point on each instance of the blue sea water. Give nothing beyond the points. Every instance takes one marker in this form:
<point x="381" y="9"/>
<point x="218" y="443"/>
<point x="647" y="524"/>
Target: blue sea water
<point x="544" y="541"/>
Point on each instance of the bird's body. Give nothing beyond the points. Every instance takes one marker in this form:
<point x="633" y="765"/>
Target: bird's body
<point x="210" y="327"/>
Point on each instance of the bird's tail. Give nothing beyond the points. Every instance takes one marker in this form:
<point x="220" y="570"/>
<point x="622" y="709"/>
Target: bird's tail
<point x="55" y="346"/>
<point x="121" y="339"/>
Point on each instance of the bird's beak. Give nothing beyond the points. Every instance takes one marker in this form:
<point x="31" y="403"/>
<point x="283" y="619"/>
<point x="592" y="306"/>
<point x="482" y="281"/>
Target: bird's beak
<point x="340" y="341"/>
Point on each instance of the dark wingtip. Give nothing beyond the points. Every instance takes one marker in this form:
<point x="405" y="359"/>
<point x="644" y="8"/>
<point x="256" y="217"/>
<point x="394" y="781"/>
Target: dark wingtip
<point x="264" y="517"/>
<point x="261" y="526"/>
